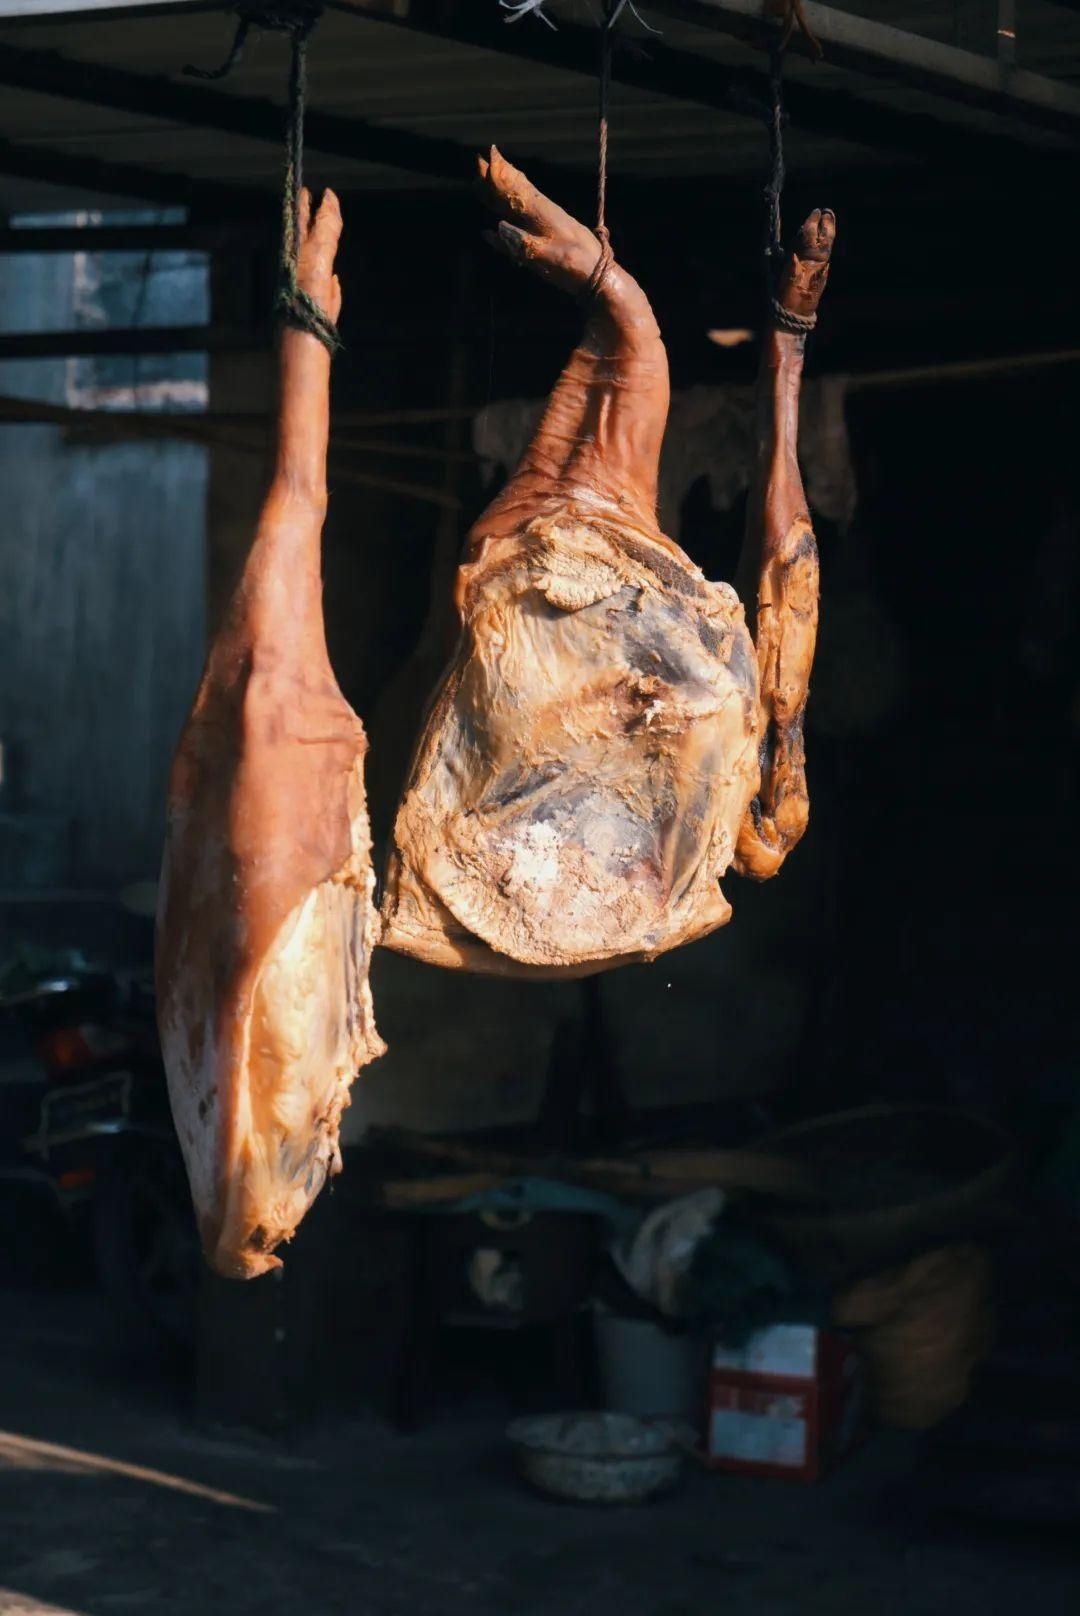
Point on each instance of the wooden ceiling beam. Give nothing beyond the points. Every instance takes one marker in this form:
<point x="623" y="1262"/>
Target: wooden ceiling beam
<point x="645" y="62"/>
<point x="51" y="165"/>
<point x="38" y="11"/>
<point x="199" y="236"/>
<point x="193" y="105"/>
<point x="95" y="342"/>
<point x="1022" y="100"/>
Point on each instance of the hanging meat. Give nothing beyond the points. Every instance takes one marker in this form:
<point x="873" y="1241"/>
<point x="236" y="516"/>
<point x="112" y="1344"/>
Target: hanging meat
<point x="266" y="920"/>
<point x="608" y="739"/>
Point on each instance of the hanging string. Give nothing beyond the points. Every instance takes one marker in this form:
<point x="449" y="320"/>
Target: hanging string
<point x="292" y="305"/>
<point x="774" y="189"/>
<point x="297" y="18"/>
<point x="285" y="17"/>
<point x="792" y="16"/>
<point x="612" y="11"/>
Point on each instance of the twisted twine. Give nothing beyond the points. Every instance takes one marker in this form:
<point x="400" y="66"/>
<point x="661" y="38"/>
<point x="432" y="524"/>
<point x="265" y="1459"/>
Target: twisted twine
<point x="601" y="269"/>
<point x="786" y="319"/>
<point x="774" y="187"/>
<point x="297" y="18"/>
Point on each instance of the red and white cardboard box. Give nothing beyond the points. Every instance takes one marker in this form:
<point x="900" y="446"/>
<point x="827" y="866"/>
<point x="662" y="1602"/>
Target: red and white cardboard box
<point x="788" y="1403"/>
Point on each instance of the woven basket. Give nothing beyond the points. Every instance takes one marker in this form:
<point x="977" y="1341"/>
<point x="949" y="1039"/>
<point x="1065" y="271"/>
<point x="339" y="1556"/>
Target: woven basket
<point x="937" y="1175"/>
<point x="922" y="1331"/>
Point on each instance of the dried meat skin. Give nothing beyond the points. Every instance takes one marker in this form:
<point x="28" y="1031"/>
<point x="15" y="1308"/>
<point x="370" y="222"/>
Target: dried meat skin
<point x="779" y="568"/>
<point x="266" y="920"/>
<point x="596" y="748"/>
<point x="564" y="808"/>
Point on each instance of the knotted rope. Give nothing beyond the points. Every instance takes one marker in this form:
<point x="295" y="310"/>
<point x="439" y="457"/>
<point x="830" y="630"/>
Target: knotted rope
<point x="297" y="18"/>
<point x="774" y="188"/>
<point x="792" y="15"/>
<point x="613" y="9"/>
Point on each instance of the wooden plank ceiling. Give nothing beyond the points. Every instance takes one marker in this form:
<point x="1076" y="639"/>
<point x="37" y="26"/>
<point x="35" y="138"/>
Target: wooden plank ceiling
<point x="403" y="91"/>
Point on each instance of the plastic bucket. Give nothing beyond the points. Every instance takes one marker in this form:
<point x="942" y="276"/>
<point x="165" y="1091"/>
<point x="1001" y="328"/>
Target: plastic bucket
<point x="644" y="1370"/>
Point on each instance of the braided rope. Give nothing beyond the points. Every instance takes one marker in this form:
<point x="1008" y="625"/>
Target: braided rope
<point x="788" y="320"/>
<point x="286" y="17"/>
<point x="297" y="18"/>
<point x="292" y="305"/>
<point x="602" y="268"/>
<point x="774" y="188"/>
<point x="792" y="16"/>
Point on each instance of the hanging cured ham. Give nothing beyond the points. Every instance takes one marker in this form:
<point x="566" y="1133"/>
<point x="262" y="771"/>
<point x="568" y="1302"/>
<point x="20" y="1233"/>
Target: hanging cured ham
<point x="266" y="920"/>
<point x="611" y="735"/>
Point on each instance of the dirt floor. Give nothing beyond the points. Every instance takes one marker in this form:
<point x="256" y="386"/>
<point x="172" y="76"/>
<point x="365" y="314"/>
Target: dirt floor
<point x="111" y="1501"/>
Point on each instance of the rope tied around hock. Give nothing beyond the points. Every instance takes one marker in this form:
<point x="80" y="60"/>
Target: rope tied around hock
<point x="296" y="18"/>
<point x="292" y="305"/>
<point x="613" y="9"/>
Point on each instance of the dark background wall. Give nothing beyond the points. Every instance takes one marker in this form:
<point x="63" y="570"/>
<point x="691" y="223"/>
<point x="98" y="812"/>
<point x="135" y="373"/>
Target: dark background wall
<point x="951" y="951"/>
<point x="914" y="943"/>
<point x="917" y="941"/>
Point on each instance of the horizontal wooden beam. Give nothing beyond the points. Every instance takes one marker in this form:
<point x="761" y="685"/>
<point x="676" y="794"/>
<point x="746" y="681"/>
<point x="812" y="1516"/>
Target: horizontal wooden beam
<point x="892" y="54"/>
<point x="210" y="431"/>
<point x="208" y="427"/>
<point x="649" y="66"/>
<point x="50" y="165"/>
<point x="209" y="236"/>
<point x="203" y="427"/>
<point x="251" y="118"/>
<point x="92" y="343"/>
<point x="647" y="63"/>
<point x="860" y="332"/>
<point x="964" y="370"/>
<point x="44" y="10"/>
<point x="32" y="412"/>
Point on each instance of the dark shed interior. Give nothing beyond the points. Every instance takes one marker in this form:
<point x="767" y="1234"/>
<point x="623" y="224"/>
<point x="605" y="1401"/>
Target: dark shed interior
<point x="893" y="1014"/>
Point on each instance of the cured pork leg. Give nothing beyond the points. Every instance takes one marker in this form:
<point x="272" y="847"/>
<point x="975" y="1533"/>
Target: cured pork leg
<point x="266" y="921"/>
<point x="779" y="568"/>
<point x="594" y="749"/>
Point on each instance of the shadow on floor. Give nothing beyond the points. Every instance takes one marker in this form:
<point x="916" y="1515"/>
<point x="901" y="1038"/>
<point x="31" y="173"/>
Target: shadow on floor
<point x="111" y="1500"/>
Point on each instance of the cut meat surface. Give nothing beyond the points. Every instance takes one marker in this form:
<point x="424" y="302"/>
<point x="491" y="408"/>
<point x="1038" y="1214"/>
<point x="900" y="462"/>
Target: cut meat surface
<point x="266" y="920"/>
<point x="602" y="737"/>
<point x="568" y="806"/>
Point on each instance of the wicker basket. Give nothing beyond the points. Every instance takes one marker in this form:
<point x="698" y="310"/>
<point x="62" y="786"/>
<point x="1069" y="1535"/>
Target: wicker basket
<point x="925" y="1176"/>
